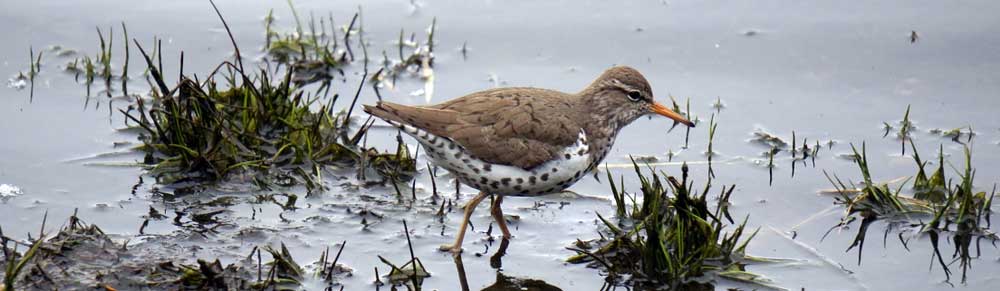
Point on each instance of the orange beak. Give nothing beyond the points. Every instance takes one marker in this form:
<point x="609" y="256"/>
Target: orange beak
<point x="663" y="110"/>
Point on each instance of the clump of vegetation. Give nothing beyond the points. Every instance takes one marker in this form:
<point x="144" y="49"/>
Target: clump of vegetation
<point x="250" y="124"/>
<point x="666" y="241"/>
<point x="91" y="68"/>
<point x="82" y="256"/>
<point x="310" y="55"/>
<point x="314" y="51"/>
<point x="415" y="59"/>
<point x="953" y="208"/>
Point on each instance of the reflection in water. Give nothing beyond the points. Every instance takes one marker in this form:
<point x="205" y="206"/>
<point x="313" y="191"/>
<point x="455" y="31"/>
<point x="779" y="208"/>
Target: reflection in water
<point x="461" y="272"/>
<point x="506" y="283"/>
<point x="496" y="260"/>
<point x="503" y="282"/>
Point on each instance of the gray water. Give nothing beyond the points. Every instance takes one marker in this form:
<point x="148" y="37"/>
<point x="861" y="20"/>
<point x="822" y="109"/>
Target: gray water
<point x="827" y="70"/>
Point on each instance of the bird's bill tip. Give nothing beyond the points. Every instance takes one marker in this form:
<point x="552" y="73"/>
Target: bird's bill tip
<point x="663" y="110"/>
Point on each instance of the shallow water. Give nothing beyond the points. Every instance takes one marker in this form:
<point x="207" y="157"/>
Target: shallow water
<point x="824" y="70"/>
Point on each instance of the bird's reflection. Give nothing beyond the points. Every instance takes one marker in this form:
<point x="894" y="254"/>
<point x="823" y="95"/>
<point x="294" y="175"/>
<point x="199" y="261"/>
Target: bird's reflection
<point x="462" y="280"/>
<point x="503" y="282"/>
<point x="496" y="261"/>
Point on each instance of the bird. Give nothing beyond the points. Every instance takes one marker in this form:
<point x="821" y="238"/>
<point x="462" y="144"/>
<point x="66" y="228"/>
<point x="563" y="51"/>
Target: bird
<point x="524" y="141"/>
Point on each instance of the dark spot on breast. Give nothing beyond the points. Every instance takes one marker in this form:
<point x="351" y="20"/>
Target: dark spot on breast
<point x="531" y="180"/>
<point x="474" y="169"/>
<point x="505" y="181"/>
<point x="581" y="151"/>
<point x="545" y="177"/>
<point x="458" y="154"/>
<point x="517" y="187"/>
<point x="520" y="181"/>
<point x="568" y="156"/>
<point x="577" y="175"/>
<point x="451" y="146"/>
<point x="466" y="161"/>
<point x="555" y="170"/>
<point x="487" y="167"/>
<point x="483" y="180"/>
<point x="495" y="184"/>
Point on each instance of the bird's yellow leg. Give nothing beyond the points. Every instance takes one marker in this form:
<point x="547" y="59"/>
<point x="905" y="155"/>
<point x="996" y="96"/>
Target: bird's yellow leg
<point x="469" y="208"/>
<point x="497" y="213"/>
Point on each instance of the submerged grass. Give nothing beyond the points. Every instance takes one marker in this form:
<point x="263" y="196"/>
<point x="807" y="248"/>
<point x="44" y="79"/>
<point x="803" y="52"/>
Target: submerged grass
<point x="776" y="145"/>
<point x="23" y="79"/>
<point x="953" y="207"/>
<point x="905" y="130"/>
<point x="666" y="241"/>
<point x="411" y="274"/>
<point x="99" y="66"/>
<point x="36" y="66"/>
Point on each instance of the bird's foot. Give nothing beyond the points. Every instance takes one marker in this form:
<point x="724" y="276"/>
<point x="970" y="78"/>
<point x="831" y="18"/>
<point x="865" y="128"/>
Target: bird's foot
<point x="454" y="249"/>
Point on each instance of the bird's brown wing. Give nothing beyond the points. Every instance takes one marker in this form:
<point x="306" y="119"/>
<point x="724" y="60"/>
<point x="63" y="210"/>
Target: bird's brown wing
<point x="496" y="126"/>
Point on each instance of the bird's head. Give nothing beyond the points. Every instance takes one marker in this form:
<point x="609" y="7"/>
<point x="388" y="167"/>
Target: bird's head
<point x="622" y="95"/>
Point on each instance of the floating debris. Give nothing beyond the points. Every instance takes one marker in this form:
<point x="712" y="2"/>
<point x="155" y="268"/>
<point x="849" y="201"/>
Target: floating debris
<point x="18" y="82"/>
<point x="957" y="134"/>
<point x="767" y="139"/>
<point x="646" y="159"/>
<point x="9" y="191"/>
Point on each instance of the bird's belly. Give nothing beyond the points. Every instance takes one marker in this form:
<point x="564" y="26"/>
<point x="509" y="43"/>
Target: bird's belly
<point x="571" y="164"/>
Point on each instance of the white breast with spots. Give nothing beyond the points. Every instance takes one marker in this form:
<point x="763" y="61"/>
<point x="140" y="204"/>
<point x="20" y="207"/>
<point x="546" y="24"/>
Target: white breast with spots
<point x="569" y="166"/>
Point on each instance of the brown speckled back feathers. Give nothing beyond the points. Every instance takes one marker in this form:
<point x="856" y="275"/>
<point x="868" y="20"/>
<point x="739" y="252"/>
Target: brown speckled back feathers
<point x="498" y="126"/>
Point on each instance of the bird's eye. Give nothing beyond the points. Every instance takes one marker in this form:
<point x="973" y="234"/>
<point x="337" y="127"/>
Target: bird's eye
<point x="634" y="96"/>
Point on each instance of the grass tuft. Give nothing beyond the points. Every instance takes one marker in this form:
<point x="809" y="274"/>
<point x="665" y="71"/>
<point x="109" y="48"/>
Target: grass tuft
<point x="253" y="124"/>
<point x="952" y="208"/>
<point x="667" y="241"/>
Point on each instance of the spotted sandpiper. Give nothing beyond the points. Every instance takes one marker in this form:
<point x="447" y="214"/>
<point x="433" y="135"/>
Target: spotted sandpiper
<point x="525" y="141"/>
